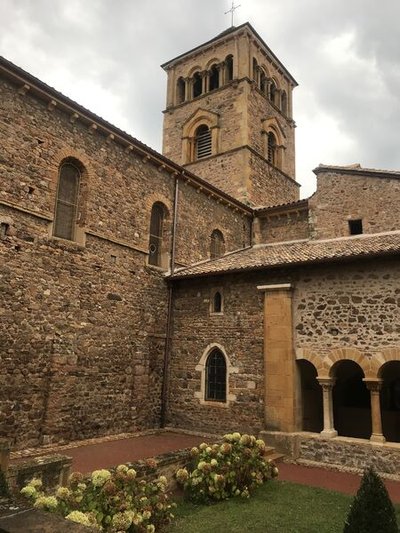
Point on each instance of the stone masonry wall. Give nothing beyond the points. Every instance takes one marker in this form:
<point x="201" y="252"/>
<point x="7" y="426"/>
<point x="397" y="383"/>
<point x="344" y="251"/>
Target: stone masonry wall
<point x="268" y="185"/>
<point x="260" y="108"/>
<point x="334" y="306"/>
<point x="342" y="197"/>
<point x="82" y="328"/>
<point x="284" y="226"/>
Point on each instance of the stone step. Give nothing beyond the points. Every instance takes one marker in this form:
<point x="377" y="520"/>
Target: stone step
<point x="273" y="455"/>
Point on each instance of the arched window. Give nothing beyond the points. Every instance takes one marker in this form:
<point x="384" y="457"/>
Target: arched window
<point x="67" y="201"/>
<point x="272" y="91"/>
<point x="202" y="141"/>
<point x="156" y="234"/>
<point x="217" y="244"/>
<point x="271" y="148"/>
<point x="215" y="389"/>
<point x="214" y="78"/>
<point x="229" y="68"/>
<point x="197" y="84"/>
<point x="284" y="107"/>
<point x="216" y="302"/>
<point x="263" y="82"/>
<point x="180" y="90"/>
<point x="255" y="70"/>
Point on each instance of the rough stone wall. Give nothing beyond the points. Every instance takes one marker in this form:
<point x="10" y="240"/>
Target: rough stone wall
<point x="350" y="305"/>
<point x="227" y="171"/>
<point x="260" y="108"/>
<point x="342" y="197"/>
<point x="198" y="217"/>
<point x="227" y="102"/>
<point x="334" y="306"/>
<point x="284" y="226"/>
<point x="83" y="325"/>
<point x="239" y="330"/>
<point x="268" y="185"/>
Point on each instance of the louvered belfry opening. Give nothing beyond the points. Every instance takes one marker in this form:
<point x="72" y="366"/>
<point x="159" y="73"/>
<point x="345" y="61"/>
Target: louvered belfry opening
<point x="203" y="142"/>
<point x="156" y="231"/>
<point x="67" y="201"/>
<point x="216" y="377"/>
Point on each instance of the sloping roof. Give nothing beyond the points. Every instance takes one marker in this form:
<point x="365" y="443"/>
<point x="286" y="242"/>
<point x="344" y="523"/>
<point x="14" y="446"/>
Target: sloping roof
<point x="296" y="253"/>
<point x="19" y="76"/>
<point x="357" y="169"/>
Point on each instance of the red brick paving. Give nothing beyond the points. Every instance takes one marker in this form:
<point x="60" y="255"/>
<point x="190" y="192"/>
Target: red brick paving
<point x="330" y="479"/>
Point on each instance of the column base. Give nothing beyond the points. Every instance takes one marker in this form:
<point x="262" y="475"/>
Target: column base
<point x="329" y="433"/>
<point x="378" y="438"/>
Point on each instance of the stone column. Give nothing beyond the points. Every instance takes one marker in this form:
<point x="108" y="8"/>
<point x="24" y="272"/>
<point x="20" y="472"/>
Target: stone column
<point x="204" y="76"/>
<point x="327" y="386"/>
<point x="280" y="407"/>
<point x="374" y="387"/>
<point x="188" y="95"/>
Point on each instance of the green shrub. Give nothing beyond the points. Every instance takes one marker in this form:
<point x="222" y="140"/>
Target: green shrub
<point x="4" y="490"/>
<point x="233" y="468"/>
<point x="113" y="501"/>
<point x="371" y="510"/>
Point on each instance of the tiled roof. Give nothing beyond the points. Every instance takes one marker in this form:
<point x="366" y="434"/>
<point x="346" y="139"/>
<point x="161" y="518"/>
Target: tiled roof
<point x="296" y="253"/>
<point x="357" y="169"/>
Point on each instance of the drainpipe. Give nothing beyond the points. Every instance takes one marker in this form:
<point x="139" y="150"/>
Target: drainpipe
<point x="167" y="348"/>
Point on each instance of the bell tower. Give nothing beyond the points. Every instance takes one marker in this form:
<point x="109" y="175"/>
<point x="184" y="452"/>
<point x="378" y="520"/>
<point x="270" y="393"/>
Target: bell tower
<point x="228" y="117"/>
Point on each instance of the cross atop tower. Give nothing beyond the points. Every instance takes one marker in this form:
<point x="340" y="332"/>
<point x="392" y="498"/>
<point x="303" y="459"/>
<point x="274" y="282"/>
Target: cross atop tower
<point x="232" y="11"/>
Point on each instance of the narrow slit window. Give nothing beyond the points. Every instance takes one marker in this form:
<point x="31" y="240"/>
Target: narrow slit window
<point x="156" y="234"/>
<point x="271" y="155"/>
<point x="67" y="202"/>
<point x="217" y="302"/>
<point x="215" y="389"/>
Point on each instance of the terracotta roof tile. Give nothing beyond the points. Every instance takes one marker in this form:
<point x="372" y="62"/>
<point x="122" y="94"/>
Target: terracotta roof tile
<point x="295" y="253"/>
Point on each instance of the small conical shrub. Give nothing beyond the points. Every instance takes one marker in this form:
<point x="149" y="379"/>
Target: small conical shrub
<point x="4" y="491"/>
<point x="371" y="510"/>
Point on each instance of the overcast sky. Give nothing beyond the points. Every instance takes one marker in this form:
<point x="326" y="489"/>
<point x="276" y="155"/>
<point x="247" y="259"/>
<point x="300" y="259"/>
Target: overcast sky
<point x="105" y="54"/>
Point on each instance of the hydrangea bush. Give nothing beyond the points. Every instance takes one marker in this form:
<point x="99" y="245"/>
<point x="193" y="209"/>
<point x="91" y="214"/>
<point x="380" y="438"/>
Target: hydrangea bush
<point x="113" y="501"/>
<point x="233" y="468"/>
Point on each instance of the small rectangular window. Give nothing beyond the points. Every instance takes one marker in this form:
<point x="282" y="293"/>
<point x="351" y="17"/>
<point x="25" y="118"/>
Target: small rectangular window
<point x="355" y="227"/>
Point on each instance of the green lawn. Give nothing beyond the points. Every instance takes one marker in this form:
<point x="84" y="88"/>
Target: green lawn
<point x="277" y="507"/>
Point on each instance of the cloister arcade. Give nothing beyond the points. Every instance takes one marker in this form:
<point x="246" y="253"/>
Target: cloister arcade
<point x="349" y="394"/>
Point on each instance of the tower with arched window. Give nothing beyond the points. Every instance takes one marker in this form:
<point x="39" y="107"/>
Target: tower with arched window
<point x="220" y="97"/>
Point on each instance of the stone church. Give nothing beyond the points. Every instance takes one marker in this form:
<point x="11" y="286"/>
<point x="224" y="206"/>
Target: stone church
<point x="194" y="289"/>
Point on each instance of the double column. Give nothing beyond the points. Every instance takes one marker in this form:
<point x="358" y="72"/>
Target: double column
<point x="374" y="386"/>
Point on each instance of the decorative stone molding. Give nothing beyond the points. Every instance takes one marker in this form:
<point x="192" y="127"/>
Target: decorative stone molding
<point x="201" y="367"/>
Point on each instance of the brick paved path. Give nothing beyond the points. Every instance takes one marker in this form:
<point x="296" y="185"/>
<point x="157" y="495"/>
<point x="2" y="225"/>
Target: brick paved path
<point x="330" y="479"/>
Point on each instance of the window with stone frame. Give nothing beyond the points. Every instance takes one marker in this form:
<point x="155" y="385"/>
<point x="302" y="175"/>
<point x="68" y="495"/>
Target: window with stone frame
<point x="229" y="68"/>
<point x="214" y="78"/>
<point x="67" y="201"/>
<point x="271" y="155"/>
<point x="216" y="373"/>
<point x="203" y="142"/>
<point x="180" y="90"/>
<point x="156" y="234"/>
<point x="217" y="244"/>
<point x="216" y="302"/>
